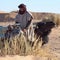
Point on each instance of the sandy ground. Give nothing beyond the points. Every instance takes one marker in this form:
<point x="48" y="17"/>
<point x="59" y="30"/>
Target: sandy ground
<point x="6" y="23"/>
<point x="23" y="58"/>
<point x="54" y="41"/>
<point x="16" y="58"/>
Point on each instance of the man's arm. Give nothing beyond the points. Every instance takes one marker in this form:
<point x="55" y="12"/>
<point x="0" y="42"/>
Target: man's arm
<point x="29" y="23"/>
<point x="16" y="19"/>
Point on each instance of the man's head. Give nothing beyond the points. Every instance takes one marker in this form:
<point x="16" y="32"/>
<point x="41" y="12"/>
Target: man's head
<point x="22" y="8"/>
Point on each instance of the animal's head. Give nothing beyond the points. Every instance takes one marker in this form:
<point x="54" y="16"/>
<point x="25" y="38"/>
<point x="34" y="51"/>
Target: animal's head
<point x="44" y="28"/>
<point x="50" y="24"/>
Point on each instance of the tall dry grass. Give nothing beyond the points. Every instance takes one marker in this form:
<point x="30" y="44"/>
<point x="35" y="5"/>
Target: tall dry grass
<point x="16" y="45"/>
<point x="55" y="18"/>
<point x="20" y="46"/>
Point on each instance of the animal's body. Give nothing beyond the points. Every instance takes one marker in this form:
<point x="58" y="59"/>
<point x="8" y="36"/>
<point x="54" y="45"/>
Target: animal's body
<point x="43" y="29"/>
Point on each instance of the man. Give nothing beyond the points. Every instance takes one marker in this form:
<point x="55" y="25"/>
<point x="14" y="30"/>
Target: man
<point x="24" y="18"/>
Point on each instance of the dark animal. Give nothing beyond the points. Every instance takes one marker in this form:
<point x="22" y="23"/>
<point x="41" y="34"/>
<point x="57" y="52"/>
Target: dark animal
<point x="43" y="29"/>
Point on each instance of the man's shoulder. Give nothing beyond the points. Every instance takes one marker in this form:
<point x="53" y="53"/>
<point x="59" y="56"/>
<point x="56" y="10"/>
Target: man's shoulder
<point x="29" y="13"/>
<point x="17" y="15"/>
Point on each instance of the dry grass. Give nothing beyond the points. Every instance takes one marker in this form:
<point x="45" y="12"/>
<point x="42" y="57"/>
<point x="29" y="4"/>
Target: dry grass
<point x="19" y="46"/>
<point x="15" y="46"/>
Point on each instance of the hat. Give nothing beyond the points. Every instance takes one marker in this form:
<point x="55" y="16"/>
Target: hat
<point x="22" y="6"/>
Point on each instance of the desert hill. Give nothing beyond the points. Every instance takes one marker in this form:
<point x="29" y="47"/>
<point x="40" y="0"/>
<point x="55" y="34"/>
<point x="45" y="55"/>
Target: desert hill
<point x="6" y="17"/>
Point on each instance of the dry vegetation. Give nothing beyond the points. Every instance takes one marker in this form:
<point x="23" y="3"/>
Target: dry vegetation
<point x="8" y="17"/>
<point x="19" y="46"/>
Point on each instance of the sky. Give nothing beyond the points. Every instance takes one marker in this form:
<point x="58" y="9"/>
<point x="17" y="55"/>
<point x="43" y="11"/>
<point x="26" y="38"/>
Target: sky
<point x="52" y="6"/>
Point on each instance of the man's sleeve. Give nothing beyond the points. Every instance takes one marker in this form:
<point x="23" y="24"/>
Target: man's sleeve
<point x="16" y="19"/>
<point x="29" y="18"/>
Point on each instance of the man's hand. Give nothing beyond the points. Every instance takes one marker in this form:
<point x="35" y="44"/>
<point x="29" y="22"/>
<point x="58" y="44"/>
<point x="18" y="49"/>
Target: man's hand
<point x="24" y="30"/>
